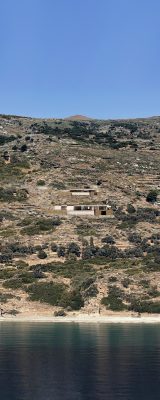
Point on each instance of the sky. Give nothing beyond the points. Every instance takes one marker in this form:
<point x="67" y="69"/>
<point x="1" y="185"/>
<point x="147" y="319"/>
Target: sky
<point x="99" y="58"/>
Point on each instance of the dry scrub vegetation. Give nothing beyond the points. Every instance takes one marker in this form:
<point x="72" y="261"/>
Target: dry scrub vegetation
<point x="57" y="263"/>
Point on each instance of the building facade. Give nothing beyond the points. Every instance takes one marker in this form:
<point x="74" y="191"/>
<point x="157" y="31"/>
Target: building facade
<point x="82" y="210"/>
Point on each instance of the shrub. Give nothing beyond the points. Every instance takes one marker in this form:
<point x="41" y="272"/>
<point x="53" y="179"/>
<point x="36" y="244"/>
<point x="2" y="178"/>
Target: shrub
<point x="20" y="264"/>
<point x="85" y="229"/>
<point x="58" y="185"/>
<point x="54" y="247"/>
<point x="6" y="273"/>
<point x="145" y="283"/>
<point x="152" y="196"/>
<point x="13" y="284"/>
<point x="41" y="225"/>
<point x="134" y="238"/>
<point x="41" y="182"/>
<point x="145" y="306"/>
<point x="50" y="293"/>
<point x="60" y="313"/>
<point x="72" y="299"/>
<point x="12" y="194"/>
<point x="130" y="209"/>
<point x="113" y="300"/>
<point x="153" y="292"/>
<point x="112" y="279"/>
<point x="114" y="304"/>
<point x="5" y="258"/>
<point x="38" y="274"/>
<point x="126" y="282"/>
<point x="55" y="294"/>
<point x="108" y="239"/>
<point x="83" y="281"/>
<point x="92" y="291"/>
<point x="23" y="148"/>
<point x="73" y="248"/>
<point x="61" y="251"/>
<point x="42" y="254"/>
<point x="6" y="139"/>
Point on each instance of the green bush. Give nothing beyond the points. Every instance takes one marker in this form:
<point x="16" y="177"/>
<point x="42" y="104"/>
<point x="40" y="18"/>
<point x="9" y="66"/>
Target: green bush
<point x="13" y="284"/>
<point x="130" y="209"/>
<point x="152" y="196"/>
<point x="74" y="248"/>
<point x="55" y="294"/>
<point x="113" y="301"/>
<point x="145" y="306"/>
<point x="41" y="182"/>
<point x="73" y="300"/>
<point x="60" y="313"/>
<point x="67" y="269"/>
<point x="6" y="139"/>
<point x="42" y="254"/>
<point x="112" y="279"/>
<point x="145" y="283"/>
<point x="92" y="291"/>
<point x="6" y="273"/>
<point x="11" y="194"/>
<point x="40" y="225"/>
<point x="50" y="293"/>
<point x="126" y="282"/>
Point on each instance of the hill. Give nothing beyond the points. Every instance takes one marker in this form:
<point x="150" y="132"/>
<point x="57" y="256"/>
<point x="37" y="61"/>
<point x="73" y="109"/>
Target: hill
<point x="78" y="118"/>
<point x="79" y="215"/>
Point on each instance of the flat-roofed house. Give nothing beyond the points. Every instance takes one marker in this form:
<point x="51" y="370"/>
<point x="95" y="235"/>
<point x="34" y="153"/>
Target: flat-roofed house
<point x="83" y="192"/>
<point x="82" y="210"/>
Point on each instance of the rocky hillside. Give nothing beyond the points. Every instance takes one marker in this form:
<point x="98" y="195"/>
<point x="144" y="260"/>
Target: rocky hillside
<point x="54" y="261"/>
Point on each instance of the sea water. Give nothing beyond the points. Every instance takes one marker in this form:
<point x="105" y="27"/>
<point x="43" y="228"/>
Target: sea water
<point x="76" y="361"/>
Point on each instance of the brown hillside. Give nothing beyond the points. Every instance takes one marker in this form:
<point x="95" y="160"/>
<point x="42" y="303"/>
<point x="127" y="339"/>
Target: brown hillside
<point x="78" y="118"/>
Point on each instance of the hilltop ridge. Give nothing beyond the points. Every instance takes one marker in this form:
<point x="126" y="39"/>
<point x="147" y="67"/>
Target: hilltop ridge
<point x="78" y="118"/>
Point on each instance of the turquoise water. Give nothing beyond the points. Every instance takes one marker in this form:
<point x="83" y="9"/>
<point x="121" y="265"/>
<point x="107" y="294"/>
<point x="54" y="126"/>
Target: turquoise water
<point x="44" y="361"/>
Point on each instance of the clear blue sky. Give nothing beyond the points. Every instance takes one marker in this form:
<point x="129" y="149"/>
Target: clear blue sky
<point x="99" y="58"/>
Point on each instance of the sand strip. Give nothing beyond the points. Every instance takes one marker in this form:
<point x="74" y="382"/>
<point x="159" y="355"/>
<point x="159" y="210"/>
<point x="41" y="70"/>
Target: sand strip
<point x="84" y="318"/>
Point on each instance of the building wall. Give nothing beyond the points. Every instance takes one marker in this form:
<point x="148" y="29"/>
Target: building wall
<point x="80" y="193"/>
<point x="94" y="210"/>
<point x="80" y="212"/>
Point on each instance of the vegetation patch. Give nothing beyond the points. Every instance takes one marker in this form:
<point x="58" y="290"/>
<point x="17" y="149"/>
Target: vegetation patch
<point x="40" y="226"/>
<point x="55" y="294"/>
<point x="12" y="194"/>
<point x="68" y="269"/>
<point x="4" y="297"/>
<point x="113" y="301"/>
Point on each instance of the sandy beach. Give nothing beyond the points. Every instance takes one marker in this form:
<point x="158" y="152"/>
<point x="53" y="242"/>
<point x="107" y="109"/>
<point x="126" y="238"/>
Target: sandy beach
<point x="85" y="318"/>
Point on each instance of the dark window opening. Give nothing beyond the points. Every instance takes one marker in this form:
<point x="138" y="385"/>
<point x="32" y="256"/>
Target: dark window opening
<point x="103" y="212"/>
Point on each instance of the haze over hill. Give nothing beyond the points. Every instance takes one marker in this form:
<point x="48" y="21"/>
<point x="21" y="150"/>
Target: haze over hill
<point x="78" y="118"/>
<point x="79" y="215"/>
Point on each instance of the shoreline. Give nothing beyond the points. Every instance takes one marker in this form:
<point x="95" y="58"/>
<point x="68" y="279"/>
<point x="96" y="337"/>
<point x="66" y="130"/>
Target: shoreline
<point x="85" y="318"/>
